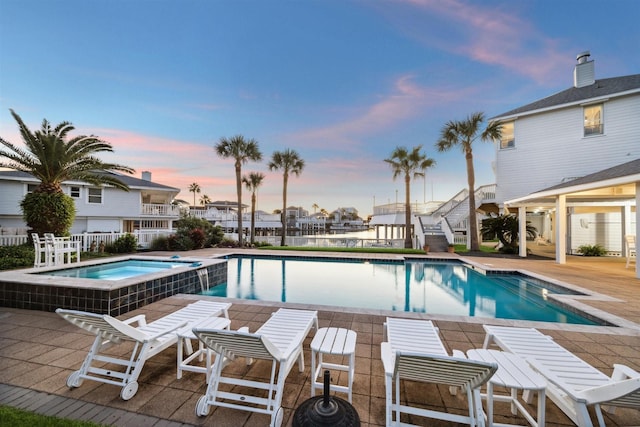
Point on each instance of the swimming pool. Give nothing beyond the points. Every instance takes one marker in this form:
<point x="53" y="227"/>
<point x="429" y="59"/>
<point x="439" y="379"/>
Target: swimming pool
<point x="439" y="287"/>
<point x="118" y="270"/>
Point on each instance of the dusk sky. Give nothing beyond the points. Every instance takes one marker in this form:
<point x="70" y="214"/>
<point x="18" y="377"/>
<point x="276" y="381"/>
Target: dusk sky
<point x="341" y="82"/>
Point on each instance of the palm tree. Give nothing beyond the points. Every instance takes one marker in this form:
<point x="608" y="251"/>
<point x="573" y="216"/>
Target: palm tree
<point x="315" y="207"/>
<point x="241" y="151"/>
<point x="289" y="162"/>
<point x="194" y="188"/>
<point x="463" y="133"/>
<point x="252" y="182"/>
<point x="205" y="199"/>
<point x="408" y="163"/>
<point x="53" y="158"/>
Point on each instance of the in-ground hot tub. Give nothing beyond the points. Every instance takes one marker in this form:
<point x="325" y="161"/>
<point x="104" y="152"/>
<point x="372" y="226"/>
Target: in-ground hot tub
<point x="111" y="286"/>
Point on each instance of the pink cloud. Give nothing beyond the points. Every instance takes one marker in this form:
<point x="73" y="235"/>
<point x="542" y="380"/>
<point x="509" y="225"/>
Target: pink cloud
<point x="406" y="101"/>
<point x="486" y="34"/>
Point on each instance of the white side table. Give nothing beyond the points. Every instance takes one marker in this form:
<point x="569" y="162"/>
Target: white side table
<point x="333" y="341"/>
<point x="185" y="335"/>
<point x="515" y="374"/>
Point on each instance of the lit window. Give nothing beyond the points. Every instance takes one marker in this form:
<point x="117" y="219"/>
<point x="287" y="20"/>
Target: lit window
<point x="593" y="120"/>
<point x="74" y="192"/>
<point x="507" y="139"/>
<point x="95" y="195"/>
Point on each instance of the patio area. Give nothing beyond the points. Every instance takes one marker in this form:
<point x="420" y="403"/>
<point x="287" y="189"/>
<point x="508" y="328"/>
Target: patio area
<point x="38" y="350"/>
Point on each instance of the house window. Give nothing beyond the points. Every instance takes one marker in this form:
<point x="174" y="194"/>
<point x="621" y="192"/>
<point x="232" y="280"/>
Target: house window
<point x="507" y="139"/>
<point x="95" y="195"/>
<point x="593" y="120"/>
<point x="74" y="192"/>
<point x="31" y="188"/>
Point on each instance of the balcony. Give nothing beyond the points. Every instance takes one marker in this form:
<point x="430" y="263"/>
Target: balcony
<point x="160" y="210"/>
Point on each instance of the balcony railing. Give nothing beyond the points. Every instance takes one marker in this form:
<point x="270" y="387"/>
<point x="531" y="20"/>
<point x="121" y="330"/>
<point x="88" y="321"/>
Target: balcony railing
<point x="157" y="209"/>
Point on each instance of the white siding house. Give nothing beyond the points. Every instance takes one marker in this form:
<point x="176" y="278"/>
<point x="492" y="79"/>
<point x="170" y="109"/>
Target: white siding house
<point x="147" y="206"/>
<point x="575" y="151"/>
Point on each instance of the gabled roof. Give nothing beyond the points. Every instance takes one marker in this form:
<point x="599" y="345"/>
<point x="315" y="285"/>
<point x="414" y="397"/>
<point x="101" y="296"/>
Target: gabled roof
<point x="600" y="89"/>
<point x="131" y="181"/>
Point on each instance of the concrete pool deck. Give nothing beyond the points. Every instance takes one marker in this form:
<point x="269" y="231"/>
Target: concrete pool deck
<point x="38" y="350"/>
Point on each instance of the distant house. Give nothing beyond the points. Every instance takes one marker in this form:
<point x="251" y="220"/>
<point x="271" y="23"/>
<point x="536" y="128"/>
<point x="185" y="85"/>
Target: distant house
<point x="147" y="206"/>
<point x="570" y="163"/>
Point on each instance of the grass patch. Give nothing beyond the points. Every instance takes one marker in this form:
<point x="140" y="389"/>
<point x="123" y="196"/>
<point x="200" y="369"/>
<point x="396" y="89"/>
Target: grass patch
<point x="12" y="417"/>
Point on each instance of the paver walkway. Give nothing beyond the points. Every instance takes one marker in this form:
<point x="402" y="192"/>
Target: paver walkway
<point x="39" y="350"/>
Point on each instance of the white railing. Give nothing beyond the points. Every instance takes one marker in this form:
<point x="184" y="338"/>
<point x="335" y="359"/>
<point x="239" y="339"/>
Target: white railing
<point x="333" y="242"/>
<point x="158" y="209"/>
<point x="13" y="240"/>
<point x="144" y="239"/>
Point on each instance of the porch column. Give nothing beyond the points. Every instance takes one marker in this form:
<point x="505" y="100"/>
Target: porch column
<point x="637" y="226"/>
<point x="625" y="212"/>
<point x="522" y="230"/>
<point x="561" y="229"/>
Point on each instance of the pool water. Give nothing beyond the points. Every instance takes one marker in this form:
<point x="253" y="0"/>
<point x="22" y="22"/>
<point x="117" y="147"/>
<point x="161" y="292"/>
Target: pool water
<point x="117" y="270"/>
<point x="424" y="287"/>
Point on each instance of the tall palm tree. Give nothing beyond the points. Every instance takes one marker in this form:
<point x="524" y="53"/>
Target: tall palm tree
<point x="407" y="163"/>
<point x="252" y="182"/>
<point x="52" y="157"/>
<point x="204" y="200"/>
<point x="289" y="162"/>
<point x="194" y="188"/>
<point x="315" y="207"/>
<point x="463" y="133"/>
<point x="241" y="150"/>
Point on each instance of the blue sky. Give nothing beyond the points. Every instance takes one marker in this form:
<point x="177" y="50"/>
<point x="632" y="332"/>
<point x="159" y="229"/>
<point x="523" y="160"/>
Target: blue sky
<point x="342" y="82"/>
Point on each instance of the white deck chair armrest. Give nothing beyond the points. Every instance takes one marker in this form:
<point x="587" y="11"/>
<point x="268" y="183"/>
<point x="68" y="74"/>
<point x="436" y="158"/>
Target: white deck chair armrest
<point x="293" y="346"/>
<point x="125" y="329"/>
<point x="622" y="372"/>
<point x="611" y="391"/>
<point x="388" y="358"/>
<point x="140" y="319"/>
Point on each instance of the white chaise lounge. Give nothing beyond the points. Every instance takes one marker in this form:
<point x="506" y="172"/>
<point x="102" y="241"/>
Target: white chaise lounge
<point x="414" y="352"/>
<point x="573" y="384"/>
<point x="279" y="340"/>
<point x="148" y="339"/>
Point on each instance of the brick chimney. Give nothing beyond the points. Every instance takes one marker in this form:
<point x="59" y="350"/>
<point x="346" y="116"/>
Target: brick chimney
<point x="584" y="73"/>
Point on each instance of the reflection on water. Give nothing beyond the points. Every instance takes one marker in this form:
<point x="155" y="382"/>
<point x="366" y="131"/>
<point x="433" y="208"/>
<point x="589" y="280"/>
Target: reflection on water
<point x="433" y="287"/>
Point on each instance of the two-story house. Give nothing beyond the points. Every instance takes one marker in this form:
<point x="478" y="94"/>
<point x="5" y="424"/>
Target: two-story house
<point x="147" y="206"/>
<point x="570" y="163"/>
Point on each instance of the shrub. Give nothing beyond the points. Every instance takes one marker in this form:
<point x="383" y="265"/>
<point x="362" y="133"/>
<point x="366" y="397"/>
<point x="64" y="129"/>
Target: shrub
<point x="48" y="213"/>
<point x="592" y="250"/>
<point x="160" y="243"/>
<point x="228" y="243"/>
<point x="16" y="257"/>
<point x="123" y="245"/>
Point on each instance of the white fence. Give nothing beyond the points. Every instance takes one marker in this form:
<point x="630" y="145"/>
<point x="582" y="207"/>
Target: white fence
<point x="86" y="240"/>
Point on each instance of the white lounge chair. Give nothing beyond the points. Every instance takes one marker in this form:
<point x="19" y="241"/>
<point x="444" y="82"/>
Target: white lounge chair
<point x="573" y="384"/>
<point x="414" y="351"/>
<point x="149" y="340"/>
<point x="630" y="246"/>
<point x="279" y="340"/>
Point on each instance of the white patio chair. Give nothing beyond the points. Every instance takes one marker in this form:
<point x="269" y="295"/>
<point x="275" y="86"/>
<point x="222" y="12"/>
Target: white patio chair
<point x="572" y="384"/>
<point x="148" y="339"/>
<point x="42" y="251"/>
<point x="630" y="246"/>
<point x="279" y="340"/>
<point x="62" y="249"/>
<point x="455" y="372"/>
